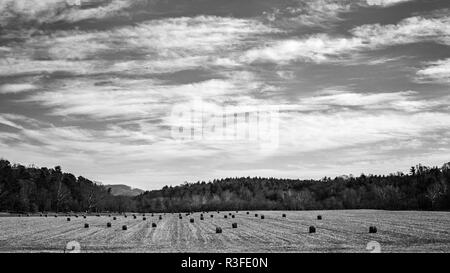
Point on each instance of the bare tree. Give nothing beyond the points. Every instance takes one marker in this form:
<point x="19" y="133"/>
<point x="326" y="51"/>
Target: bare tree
<point x="61" y="193"/>
<point x="435" y="192"/>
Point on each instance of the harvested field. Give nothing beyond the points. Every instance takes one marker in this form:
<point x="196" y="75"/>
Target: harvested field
<point x="338" y="231"/>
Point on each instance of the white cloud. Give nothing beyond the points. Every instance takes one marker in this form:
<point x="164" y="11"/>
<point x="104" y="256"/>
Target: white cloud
<point x="48" y="11"/>
<point x="309" y="13"/>
<point x="438" y="71"/>
<point x="407" y="101"/>
<point x="386" y="3"/>
<point x="16" y="88"/>
<point x="325" y="48"/>
<point x="409" y="30"/>
<point x="321" y="131"/>
<point x="156" y="46"/>
<point x="139" y="98"/>
<point x="317" y="48"/>
<point x="320" y="13"/>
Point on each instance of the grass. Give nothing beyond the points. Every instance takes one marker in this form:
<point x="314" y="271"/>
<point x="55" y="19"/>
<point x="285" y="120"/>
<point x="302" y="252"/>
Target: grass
<point x="338" y="231"/>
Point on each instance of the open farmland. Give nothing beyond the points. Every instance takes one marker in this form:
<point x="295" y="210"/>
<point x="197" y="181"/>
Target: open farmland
<point x="338" y="231"/>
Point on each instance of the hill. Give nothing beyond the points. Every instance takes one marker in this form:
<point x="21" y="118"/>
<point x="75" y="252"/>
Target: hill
<point x="124" y="190"/>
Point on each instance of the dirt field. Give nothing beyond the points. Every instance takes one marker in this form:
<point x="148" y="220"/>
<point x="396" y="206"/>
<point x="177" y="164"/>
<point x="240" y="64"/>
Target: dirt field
<point x="338" y="231"/>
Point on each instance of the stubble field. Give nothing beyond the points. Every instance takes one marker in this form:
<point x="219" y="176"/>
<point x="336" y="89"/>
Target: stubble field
<point x="338" y="231"/>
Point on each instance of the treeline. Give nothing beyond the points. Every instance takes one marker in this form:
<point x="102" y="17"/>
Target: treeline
<point x="423" y="188"/>
<point x="30" y="189"/>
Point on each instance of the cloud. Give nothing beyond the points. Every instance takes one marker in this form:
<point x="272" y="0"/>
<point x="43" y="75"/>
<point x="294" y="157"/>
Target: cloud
<point x="407" y="101"/>
<point x="319" y="13"/>
<point x="139" y="98"/>
<point x="49" y="11"/>
<point x="409" y="30"/>
<point x="16" y="88"/>
<point x="321" y="48"/>
<point x="155" y="46"/>
<point x="308" y="13"/>
<point x="386" y="3"/>
<point x="315" y="131"/>
<point x="316" y="48"/>
<point x="438" y="72"/>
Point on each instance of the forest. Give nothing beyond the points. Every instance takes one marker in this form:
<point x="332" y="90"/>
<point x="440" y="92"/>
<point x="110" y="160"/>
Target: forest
<point x="32" y="189"/>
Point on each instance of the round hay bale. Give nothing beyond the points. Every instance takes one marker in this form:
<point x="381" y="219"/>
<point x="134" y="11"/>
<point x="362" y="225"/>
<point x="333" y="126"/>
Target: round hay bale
<point x="262" y="216"/>
<point x="232" y="216"/>
<point x="125" y="216"/>
<point x="134" y="216"/>
<point x="229" y="213"/>
<point x="373" y="229"/>
<point x="84" y="216"/>
<point x="114" y="218"/>
<point x="225" y="216"/>
<point x="46" y="215"/>
<point x="284" y="215"/>
<point x="152" y="215"/>
<point x="234" y="225"/>
<point x="218" y="230"/>
<point x="108" y="224"/>
<point x="143" y="218"/>
<point x="212" y="215"/>
<point x="76" y="216"/>
<point x="312" y="229"/>
<point x="180" y="217"/>
<point x="256" y="214"/>
<point x="124" y="227"/>
<point x="86" y="225"/>
<point x="319" y="217"/>
<point x="160" y="217"/>
<point x="248" y="212"/>
<point x="201" y="218"/>
<point x="56" y="216"/>
<point x="191" y="220"/>
<point x="68" y="219"/>
<point x="153" y="224"/>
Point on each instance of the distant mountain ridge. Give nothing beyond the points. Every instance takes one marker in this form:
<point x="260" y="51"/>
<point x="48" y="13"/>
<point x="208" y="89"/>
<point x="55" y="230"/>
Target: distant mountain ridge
<point x="124" y="190"/>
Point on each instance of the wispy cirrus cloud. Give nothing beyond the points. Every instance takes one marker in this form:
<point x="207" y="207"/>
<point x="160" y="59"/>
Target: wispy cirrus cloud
<point x="320" y="13"/>
<point x="308" y="13"/>
<point x="16" y="88"/>
<point x="437" y="71"/>
<point x="50" y="11"/>
<point x="139" y="98"/>
<point x="386" y="3"/>
<point x="156" y="46"/>
<point x="325" y="48"/>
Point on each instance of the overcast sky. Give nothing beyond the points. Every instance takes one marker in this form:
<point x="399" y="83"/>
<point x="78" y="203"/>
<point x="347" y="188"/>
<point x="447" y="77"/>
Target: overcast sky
<point x="91" y="85"/>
